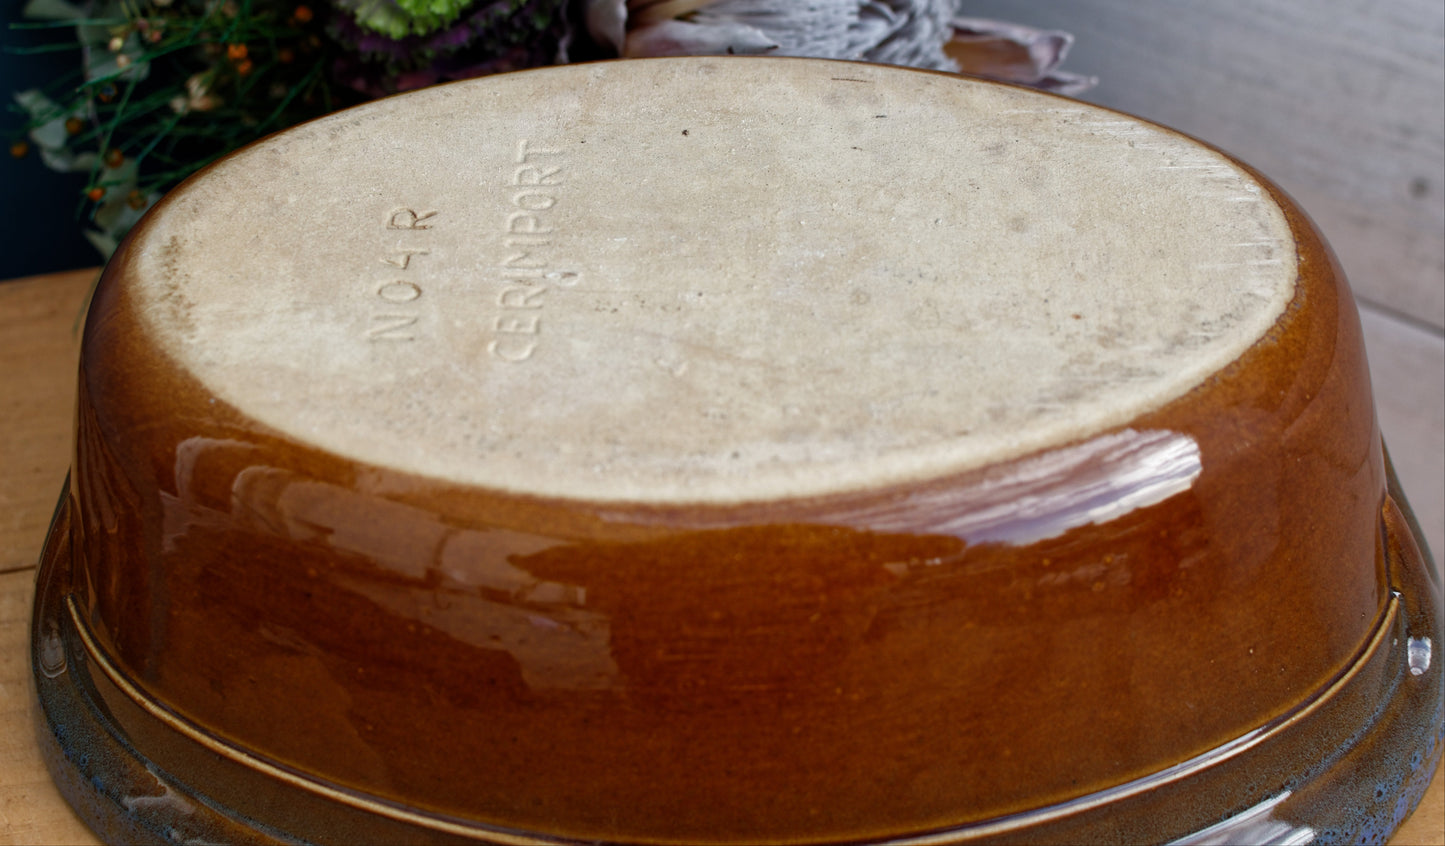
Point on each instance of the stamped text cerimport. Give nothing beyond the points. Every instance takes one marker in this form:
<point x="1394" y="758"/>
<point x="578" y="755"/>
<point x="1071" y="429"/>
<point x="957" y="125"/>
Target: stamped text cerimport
<point x="528" y="230"/>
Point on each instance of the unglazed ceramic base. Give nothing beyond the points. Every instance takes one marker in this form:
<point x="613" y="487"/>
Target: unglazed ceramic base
<point x="613" y="288"/>
<point x="732" y="451"/>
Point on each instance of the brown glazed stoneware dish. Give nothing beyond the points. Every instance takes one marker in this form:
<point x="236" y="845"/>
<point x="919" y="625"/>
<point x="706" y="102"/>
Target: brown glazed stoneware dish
<point x="735" y="451"/>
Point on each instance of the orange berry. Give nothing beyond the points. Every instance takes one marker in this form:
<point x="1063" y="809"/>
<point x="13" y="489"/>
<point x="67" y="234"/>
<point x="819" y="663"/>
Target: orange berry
<point x="114" y="158"/>
<point x="74" y="125"/>
<point x="285" y="55"/>
<point x="19" y="149"/>
<point x="136" y="200"/>
<point x="236" y="52"/>
<point x="96" y="194"/>
<point x="243" y="67"/>
<point x="302" y="14"/>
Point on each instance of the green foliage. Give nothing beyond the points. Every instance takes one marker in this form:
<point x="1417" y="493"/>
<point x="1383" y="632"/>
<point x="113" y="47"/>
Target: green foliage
<point x="164" y="88"/>
<point x="400" y="18"/>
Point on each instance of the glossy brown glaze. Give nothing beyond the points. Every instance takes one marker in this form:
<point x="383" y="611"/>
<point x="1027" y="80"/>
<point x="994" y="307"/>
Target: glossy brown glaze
<point x="789" y="676"/>
<point x="845" y="667"/>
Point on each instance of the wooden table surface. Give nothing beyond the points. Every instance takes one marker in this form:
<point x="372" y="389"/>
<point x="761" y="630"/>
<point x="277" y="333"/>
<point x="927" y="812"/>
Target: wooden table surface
<point x="38" y="347"/>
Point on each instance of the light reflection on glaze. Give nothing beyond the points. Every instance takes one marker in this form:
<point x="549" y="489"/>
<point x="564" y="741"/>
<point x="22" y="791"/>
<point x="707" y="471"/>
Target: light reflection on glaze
<point x="50" y="656"/>
<point x="1418" y="650"/>
<point x="462" y="583"/>
<point x="1038" y="498"/>
<point x="1110" y="476"/>
<point x="544" y="625"/>
<point x="180" y="513"/>
<point x="167" y="800"/>
<point x="557" y="647"/>
<point x="1257" y="825"/>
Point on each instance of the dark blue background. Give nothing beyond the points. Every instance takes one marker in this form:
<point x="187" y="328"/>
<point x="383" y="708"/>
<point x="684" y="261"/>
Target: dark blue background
<point x="39" y="229"/>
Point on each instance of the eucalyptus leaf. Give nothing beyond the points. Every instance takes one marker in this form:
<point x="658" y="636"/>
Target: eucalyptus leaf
<point x="36" y="105"/>
<point x="115" y="216"/>
<point x="96" y="30"/>
<point x="50" y="135"/>
<point x="53" y="10"/>
<point x="106" y="67"/>
<point x="102" y="242"/>
<point x="124" y="175"/>
<point x="58" y="159"/>
<point x="93" y="35"/>
<point x="62" y="160"/>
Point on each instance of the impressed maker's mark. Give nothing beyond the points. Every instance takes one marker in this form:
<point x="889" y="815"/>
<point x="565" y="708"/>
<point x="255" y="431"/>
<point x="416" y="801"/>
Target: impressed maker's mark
<point x="393" y="297"/>
<point x="528" y="234"/>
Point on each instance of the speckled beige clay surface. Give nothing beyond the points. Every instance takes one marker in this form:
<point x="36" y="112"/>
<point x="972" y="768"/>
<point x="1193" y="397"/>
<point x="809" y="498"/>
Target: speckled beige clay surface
<point x="657" y="286"/>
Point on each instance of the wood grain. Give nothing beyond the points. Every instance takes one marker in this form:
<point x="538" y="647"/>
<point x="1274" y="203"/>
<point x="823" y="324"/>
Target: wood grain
<point x="38" y="348"/>
<point x="31" y="809"/>
<point x="39" y="345"/>
<point x="1407" y="371"/>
